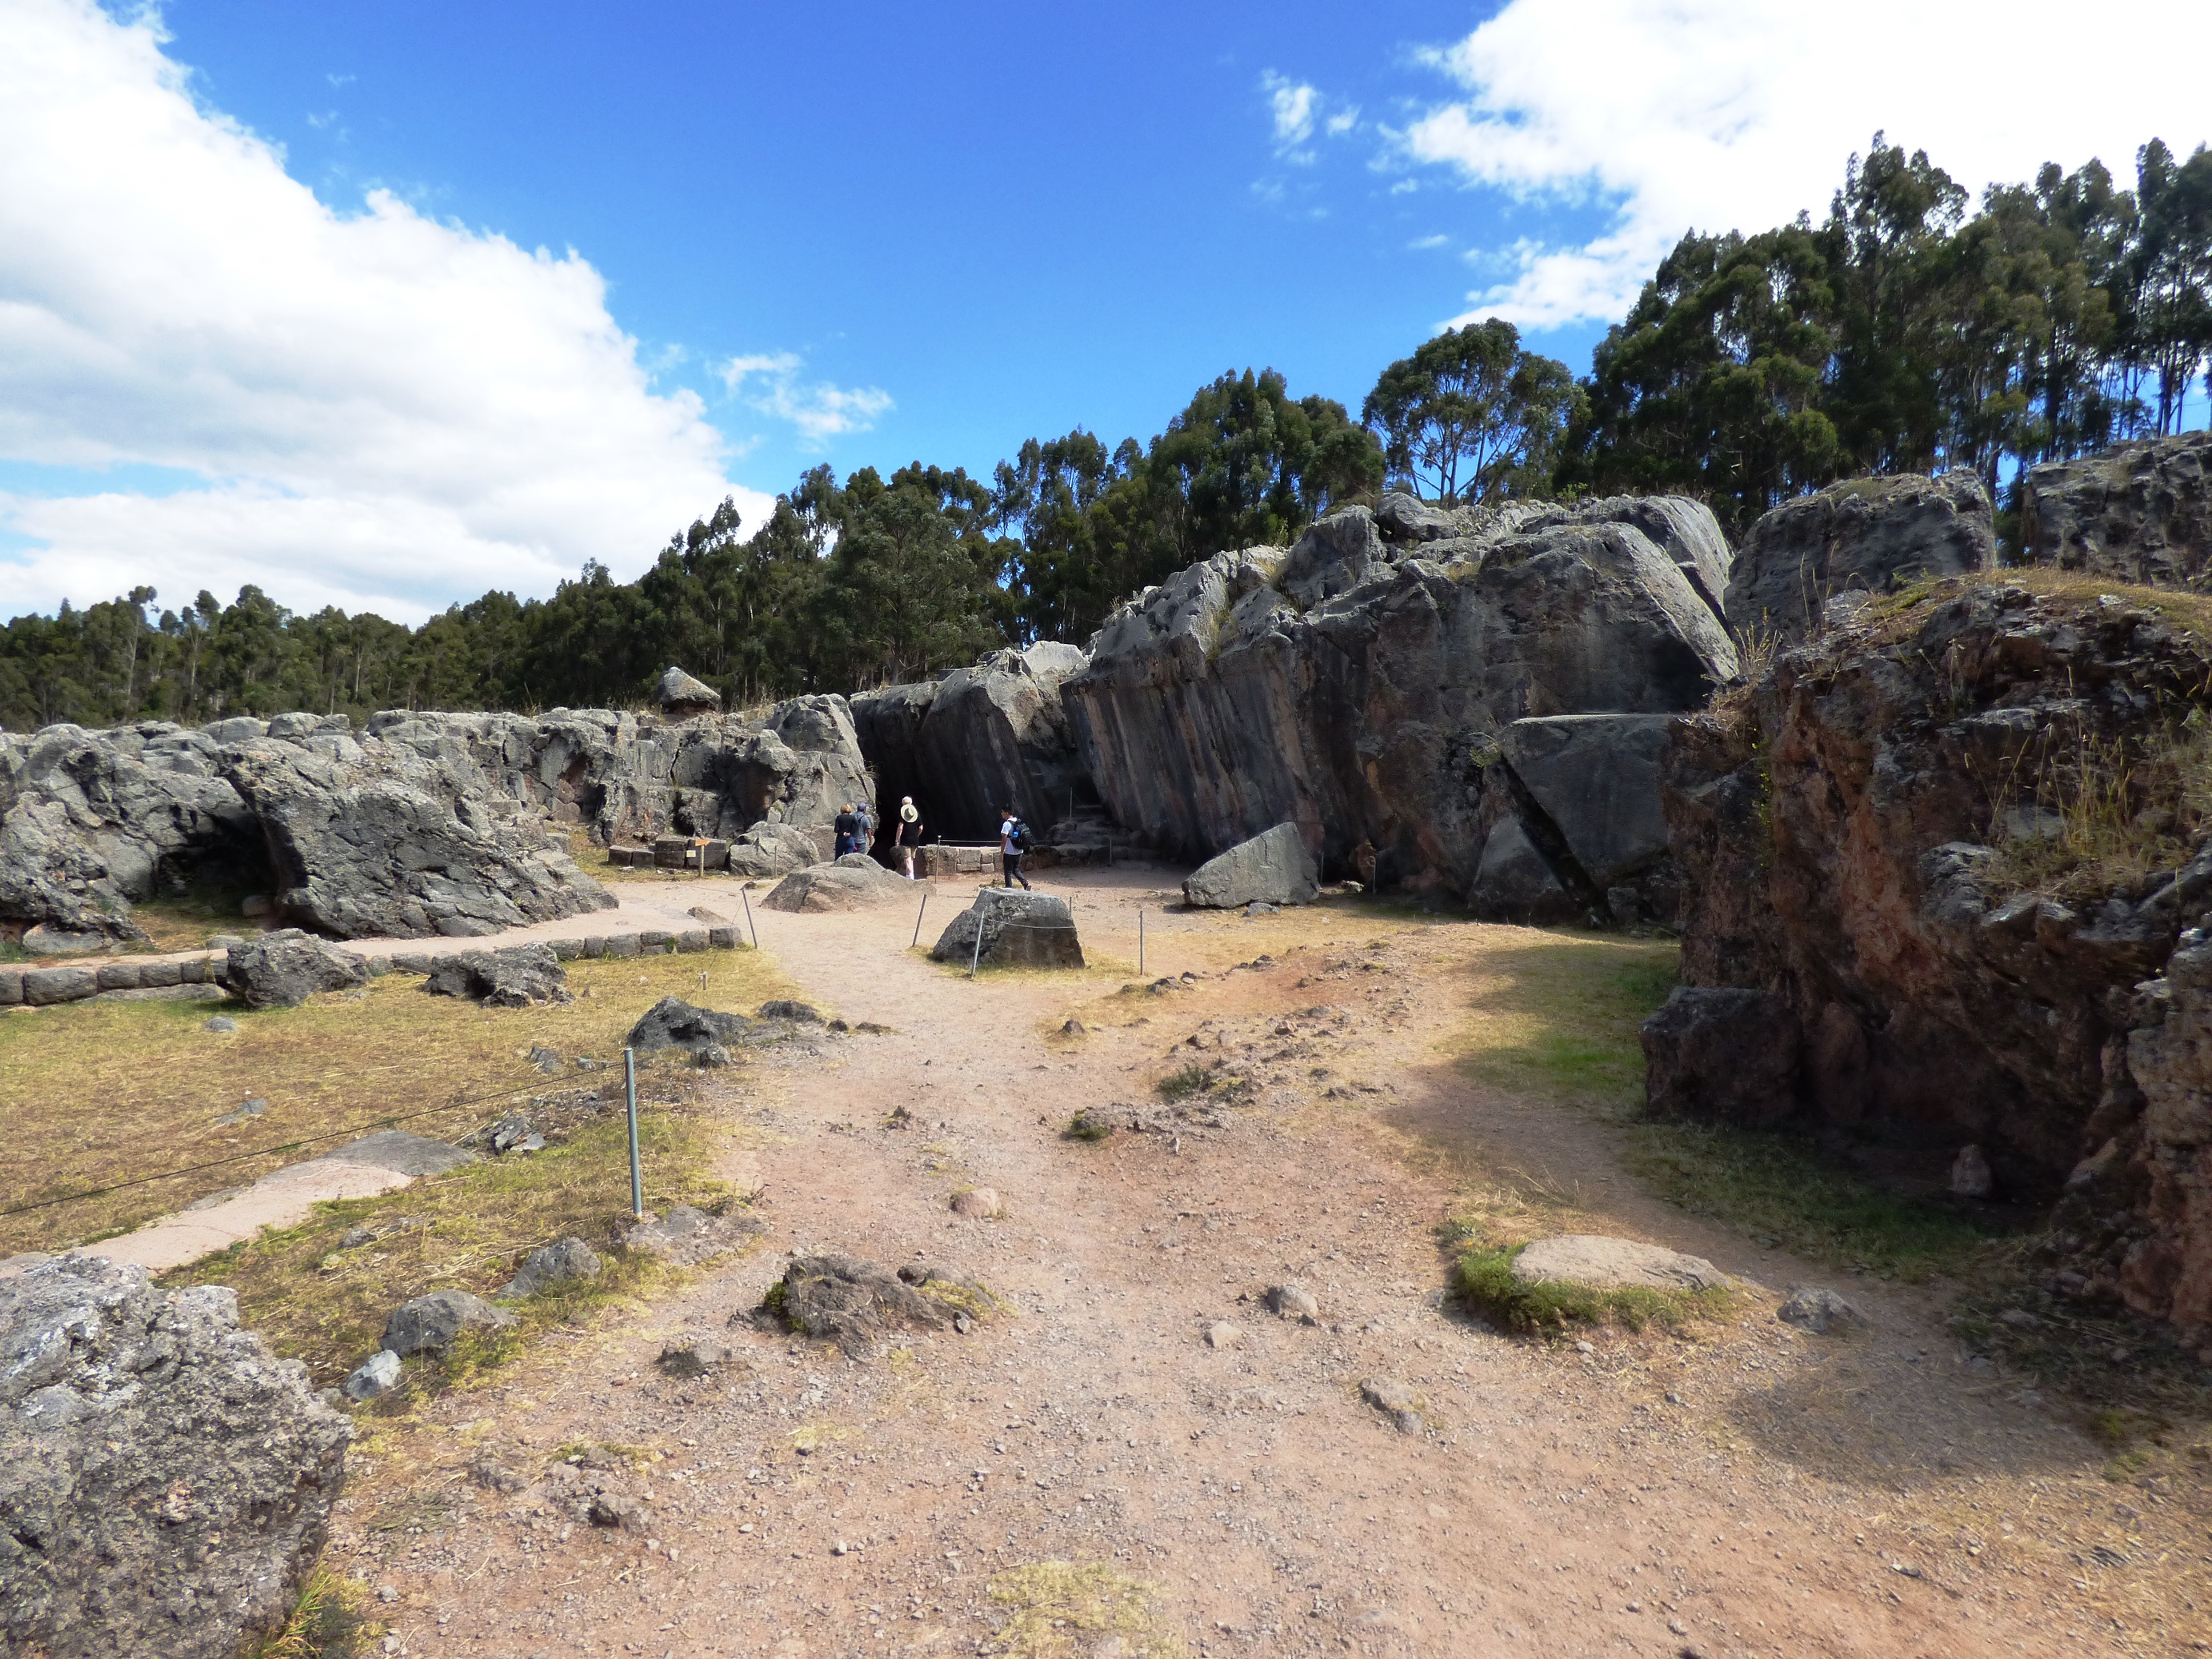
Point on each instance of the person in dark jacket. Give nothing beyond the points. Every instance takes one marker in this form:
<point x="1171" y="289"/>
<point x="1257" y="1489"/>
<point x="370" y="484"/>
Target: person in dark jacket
<point x="848" y="827"/>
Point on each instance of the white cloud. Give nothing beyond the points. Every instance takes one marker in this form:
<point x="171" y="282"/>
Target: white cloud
<point x="1299" y="111"/>
<point x="1421" y="242"/>
<point x="1720" y="114"/>
<point x="380" y="408"/>
<point x="820" y="411"/>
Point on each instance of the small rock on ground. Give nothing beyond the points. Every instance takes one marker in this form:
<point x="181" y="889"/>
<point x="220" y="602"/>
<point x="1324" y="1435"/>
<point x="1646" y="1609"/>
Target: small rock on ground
<point x="976" y="1203"/>
<point x="564" y="1262"/>
<point x="1223" y="1335"/>
<point x="694" y="1356"/>
<point x="1293" y="1302"/>
<point x="377" y="1375"/>
<point x="1394" y="1401"/>
<point x="220" y="1022"/>
<point x="687" y="1237"/>
<point x="432" y="1323"/>
<point x="1819" y="1309"/>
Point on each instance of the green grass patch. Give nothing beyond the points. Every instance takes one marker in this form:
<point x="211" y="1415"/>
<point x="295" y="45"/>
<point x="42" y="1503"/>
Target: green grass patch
<point x="1781" y="1187"/>
<point x="329" y="1621"/>
<point x="1484" y="1279"/>
<point x="1559" y="1018"/>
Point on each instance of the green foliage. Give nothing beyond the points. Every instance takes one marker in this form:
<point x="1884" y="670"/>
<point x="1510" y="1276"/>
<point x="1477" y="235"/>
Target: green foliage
<point x="1181" y="1085"/>
<point x="1470" y="416"/>
<point x="1903" y="334"/>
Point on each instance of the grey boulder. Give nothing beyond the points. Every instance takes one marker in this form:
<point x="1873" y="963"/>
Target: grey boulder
<point x="284" y="969"/>
<point x="374" y="1377"/>
<point x="1008" y="929"/>
<point x="433" y="1323"/>
<point x="1819" y="1310"/>
<point x="518" y="977"/>
<point x="672" y="1022"/>
<point x="1596" y="778"/>
<point x="164" y="1484"/>
<point x="1273" y="867"/>
<point x="568" y="1262"/>
<point x="1867" y="534"/>
<point x="2141" y="513"/>
<point x="853" y="882"/>
<point x="682" y="697"/>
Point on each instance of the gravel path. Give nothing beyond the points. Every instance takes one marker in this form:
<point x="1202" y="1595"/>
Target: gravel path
<point x="1753" y="1491"/>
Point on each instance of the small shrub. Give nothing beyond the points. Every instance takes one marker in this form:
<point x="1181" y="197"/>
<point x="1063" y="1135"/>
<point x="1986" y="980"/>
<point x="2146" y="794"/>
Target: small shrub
<point x="326" y="1622"/>
<point x="1182" y="1086"/>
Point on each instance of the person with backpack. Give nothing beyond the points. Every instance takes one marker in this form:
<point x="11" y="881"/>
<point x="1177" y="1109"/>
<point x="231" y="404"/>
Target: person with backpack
<point x="1013" y="841"/>
<point x="908" y="836"/>
<point x="864" y="828"/>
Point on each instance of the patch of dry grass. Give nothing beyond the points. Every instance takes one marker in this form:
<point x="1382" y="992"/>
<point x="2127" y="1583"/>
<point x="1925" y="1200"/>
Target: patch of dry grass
<point x="105" y="1093"/>
<point x="468" y="1230"/>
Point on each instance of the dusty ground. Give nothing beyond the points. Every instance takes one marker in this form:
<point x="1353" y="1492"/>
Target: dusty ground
<point x="1747" y="1490"/>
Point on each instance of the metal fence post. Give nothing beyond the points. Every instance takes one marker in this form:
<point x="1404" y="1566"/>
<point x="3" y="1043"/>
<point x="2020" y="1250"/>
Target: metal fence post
<point x="636" y="1171"/>
<point x="976" y="956"/>
<point x="746" y="901"/>
<point x="918" y="916"/>
<point x="1140" y="939"/>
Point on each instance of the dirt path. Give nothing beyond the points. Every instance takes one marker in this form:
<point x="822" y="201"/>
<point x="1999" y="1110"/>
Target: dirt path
<point x="1754" y="1491"/>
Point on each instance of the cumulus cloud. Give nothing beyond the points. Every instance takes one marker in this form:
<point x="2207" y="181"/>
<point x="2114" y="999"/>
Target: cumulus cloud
<point x="374" y="409"/>
<point x="1720" y="114"/>
<point x="820" y="411"/>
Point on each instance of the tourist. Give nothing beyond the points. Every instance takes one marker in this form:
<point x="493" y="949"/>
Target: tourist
<point x="864" y="833"/>
<point x="847" y="826"/>
<point x="1012" y="835"/>
<point x="907" y="835"/>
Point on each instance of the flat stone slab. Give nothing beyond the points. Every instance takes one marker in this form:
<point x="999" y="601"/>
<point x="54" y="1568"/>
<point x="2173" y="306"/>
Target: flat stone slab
<point x="402" y="1153"/>
<point x="1614" y="1264"/>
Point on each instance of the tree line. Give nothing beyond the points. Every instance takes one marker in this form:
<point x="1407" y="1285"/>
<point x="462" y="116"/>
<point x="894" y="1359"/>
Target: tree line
<point x="1901" y="333"/>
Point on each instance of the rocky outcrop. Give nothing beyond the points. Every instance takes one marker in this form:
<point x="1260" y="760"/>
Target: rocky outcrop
<point x="852" y="883"/>
<point x="1861" y="536"/>
<point x="980" y="739"/>
<point x="1271" y="868"/>
<point x="1006" y="929"/>
<point x="371" y="838"/>
<point x="92" y="822"/>
<point x="1359" y="685"/>
<point x="421" y="824"/>
<point x="1954" y="847"/>
<point x="2141" y="513"/>
<point x="165" y="1485"/>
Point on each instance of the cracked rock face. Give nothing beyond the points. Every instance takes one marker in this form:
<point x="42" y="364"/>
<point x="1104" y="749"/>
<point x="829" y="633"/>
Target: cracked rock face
<point x="2141" y="513"/>
<point x="1844" y="827"/>
<point x="1359" y="685"/>
<point x="165" y="1485"/>
<point x="1861" y="536"/>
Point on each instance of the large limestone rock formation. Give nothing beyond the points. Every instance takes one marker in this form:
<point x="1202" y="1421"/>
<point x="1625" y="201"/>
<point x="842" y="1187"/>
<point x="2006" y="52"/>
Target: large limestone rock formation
<point x="92" y="821"/>
<point x="980" y="739"/>
<point x="420" y="823"/>
<point x="165" y="1485"/>
<point x="1859" y="834"/>
<point x="1867" y="535"/>
<point x="2141" y="513"/>
<point x="1360" y="685"/>
<point x="371" y="838"/>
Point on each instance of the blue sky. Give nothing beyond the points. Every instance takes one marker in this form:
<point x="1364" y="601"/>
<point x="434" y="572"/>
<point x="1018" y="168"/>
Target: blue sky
<point x="383" y="306"/>
<point x="1013" y="223"/>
